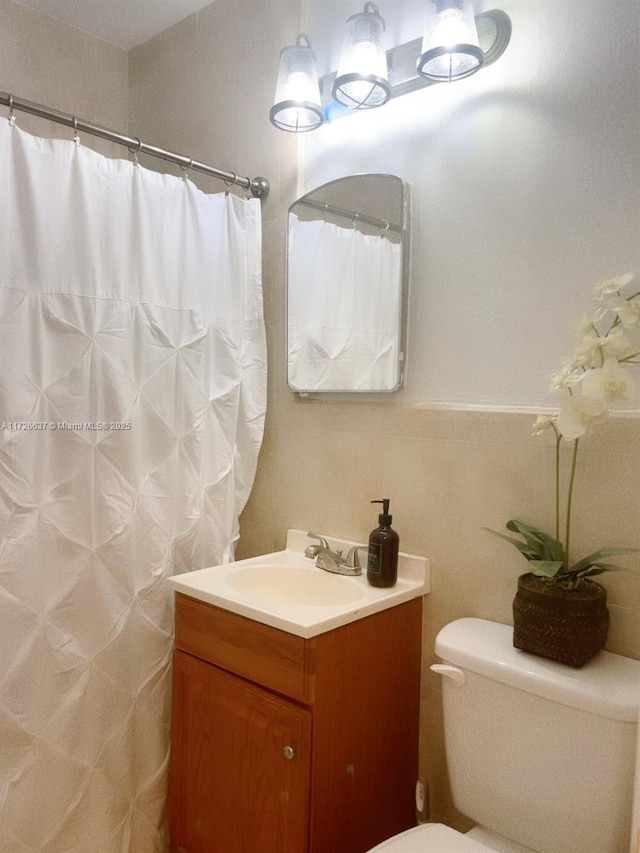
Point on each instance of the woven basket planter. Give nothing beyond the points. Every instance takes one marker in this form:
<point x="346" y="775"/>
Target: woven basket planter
<point x="567" y="626"/>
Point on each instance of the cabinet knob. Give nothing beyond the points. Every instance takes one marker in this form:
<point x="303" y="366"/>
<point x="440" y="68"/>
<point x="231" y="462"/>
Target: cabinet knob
<point x="289" y="752"/>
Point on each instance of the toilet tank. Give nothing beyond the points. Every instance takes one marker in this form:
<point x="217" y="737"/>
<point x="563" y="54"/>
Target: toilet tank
<point x="537" y="751"/>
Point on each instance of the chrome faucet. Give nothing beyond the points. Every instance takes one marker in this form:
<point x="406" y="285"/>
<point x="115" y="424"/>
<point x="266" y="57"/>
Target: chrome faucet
<point x="333" y="561"/>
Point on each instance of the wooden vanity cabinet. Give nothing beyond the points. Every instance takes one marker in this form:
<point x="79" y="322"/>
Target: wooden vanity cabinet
<point x="288" y="745"/>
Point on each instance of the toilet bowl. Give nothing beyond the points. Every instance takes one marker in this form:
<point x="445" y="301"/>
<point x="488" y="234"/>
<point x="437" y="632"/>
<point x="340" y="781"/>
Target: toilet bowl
<point x="430" y="838"/>
<point x="437" y="838"/>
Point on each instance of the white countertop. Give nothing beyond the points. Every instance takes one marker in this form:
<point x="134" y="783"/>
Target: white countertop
<point x="285" y="589"/>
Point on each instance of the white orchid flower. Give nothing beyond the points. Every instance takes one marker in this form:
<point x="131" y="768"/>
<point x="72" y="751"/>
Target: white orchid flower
<point x="594" y="350"/>
<point x="543" y="422"/>
<point x="588" y="353"/>
<point x="587" y="325"/>
<point x="579" y="414"/>
<point x="615" y="345"/>
<point x="607" y="286"/>
<point x="609" y="383"/>
<point x="628" y="312"/>
<point x="567" y="377"/>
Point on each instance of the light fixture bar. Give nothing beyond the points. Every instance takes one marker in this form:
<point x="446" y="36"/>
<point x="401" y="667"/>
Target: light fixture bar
<point x="494" y="33"/>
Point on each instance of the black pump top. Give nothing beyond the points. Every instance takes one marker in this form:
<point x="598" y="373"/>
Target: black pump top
<point x="384" y="519"/>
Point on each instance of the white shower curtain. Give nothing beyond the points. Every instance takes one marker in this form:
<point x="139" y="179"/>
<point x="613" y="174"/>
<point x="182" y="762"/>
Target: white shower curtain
<point x="132" y="402"/>
<point x="344" y="298"/>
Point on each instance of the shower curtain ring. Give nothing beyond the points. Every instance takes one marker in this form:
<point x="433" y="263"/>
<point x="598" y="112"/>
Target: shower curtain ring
<point x="354" y="220"/>
<point x="233" y="181"/>
<point x="12" y="117"/>
<point x="76" y="135"/>
<point x="186" y="168"/>
<point x="384" y="228"/>
<point x="134" y="151"/>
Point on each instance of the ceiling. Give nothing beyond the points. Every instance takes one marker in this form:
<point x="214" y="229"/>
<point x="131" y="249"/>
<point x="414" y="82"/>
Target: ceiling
<point x="124" y="23"/>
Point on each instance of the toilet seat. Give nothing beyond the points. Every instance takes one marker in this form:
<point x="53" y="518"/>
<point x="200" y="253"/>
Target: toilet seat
<point x="430" y="838"/>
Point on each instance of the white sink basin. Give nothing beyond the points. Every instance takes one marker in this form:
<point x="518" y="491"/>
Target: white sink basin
<point x="287" y="591"/>
<point x="293" y="584"/>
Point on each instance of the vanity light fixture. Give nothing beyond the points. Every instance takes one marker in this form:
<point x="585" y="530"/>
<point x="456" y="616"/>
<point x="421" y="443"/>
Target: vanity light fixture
<point x="450" y="48"/>
<point x="362" y="79"/>
<point x="297" y="105"/>
<point x="455" y="45"/>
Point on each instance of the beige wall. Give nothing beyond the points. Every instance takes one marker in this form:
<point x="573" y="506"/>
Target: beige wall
<point x="54" y="65"/>
<point x="204" y="88"/>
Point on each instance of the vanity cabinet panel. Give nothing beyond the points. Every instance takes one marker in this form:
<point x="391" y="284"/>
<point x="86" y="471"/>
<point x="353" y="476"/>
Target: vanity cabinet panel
<point x="258" y="652"/>
<point x="347" y="701"/>
<point x="246" y="757"/>
<point x="366" y="730"/>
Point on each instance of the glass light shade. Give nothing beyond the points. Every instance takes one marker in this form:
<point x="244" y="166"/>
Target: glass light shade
<point x="450" y="48"/>
<point x="361" y="82"/>
<point x="297" y="105"/>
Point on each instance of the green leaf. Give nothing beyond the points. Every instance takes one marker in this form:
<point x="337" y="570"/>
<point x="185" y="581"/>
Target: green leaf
<point x="524" y="549"/>
<point x="598" y="569"/>
<point x="596" y="558"/>
<point x="546" y="568"/>
<point x="547" y="547"/>
<point x="531" y="534"/>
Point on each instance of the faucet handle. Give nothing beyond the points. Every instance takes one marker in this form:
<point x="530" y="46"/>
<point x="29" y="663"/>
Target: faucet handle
<point x="323" y="541"/>
<point x="352" y="559"/>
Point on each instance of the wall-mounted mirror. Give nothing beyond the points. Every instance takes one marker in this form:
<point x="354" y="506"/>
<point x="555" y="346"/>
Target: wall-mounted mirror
<point x="347" y="286"/>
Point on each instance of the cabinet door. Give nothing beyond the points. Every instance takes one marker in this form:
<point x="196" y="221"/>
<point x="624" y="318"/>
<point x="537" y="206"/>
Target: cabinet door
<point x="240" y="765"/>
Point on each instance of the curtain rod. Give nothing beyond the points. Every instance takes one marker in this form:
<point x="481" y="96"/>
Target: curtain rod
<point x="258" y="187"/>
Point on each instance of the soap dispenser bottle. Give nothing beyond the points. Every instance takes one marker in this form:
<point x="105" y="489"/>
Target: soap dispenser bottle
<point x="382" y="560"/>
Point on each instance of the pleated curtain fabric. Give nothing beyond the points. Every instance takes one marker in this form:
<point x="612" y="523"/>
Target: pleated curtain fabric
<point x="132" y="404"/>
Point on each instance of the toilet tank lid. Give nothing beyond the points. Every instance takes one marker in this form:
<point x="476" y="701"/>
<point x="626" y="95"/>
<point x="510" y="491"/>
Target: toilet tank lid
<point x="608" y="685"/>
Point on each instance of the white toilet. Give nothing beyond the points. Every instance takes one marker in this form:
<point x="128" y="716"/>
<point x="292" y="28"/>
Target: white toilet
<point x="542" y="756"/>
